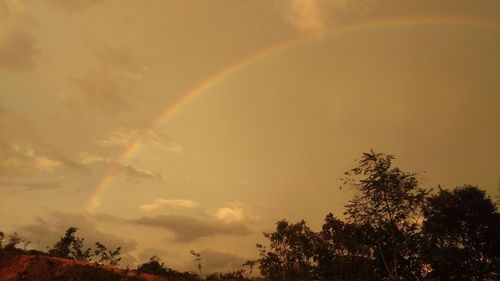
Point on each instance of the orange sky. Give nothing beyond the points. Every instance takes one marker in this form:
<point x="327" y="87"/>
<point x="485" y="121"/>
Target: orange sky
<point x="242" y="112"/>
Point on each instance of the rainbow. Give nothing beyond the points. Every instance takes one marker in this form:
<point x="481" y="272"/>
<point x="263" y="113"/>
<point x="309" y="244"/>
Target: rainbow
<point x="233" y="67"/>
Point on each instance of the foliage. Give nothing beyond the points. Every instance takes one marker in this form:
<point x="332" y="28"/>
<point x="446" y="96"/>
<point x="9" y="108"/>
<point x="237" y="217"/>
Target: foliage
<point x="389" y="200"/>
<point x="343" y="251"/>
<point x="70" y="246"/>
<point x="462" y="231"/>
<point x="157" y="267"/>
<point x="238" y="275"/>
<point x="106" y="256"/>
<point x="291" y="252"/>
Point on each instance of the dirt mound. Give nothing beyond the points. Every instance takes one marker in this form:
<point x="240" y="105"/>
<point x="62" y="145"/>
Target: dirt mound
<point x="44" y="268"/>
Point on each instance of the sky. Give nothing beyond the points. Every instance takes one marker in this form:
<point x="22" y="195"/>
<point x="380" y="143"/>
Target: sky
<point x="170" y="126"/>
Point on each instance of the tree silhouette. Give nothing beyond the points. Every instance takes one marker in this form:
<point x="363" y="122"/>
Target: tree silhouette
<point x="462" y="230"/>
<point x="106" y="256"/>
<point x="390" y="201"/>
<point x="70" y="246"/>
<point x="291" y="252"/>
<point x="343" y="251"/>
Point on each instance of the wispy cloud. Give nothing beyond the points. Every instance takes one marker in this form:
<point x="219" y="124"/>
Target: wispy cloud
<point x="17" y="41"/>
<point x="88" y="159"/>
<point x="317" y="17"/>
<point x="130" y="171"/>
<point x="16" y="159"/>
<point x="100" y="89"/>
<point x="161" y="203"/>
<point x="75" y="5"/>
<point x="233" y="212"/>
<point x="34" y="186"/>
<point x="307" y="16"/>
<point x="133" y="173"/>
<point x="124" y="137"/>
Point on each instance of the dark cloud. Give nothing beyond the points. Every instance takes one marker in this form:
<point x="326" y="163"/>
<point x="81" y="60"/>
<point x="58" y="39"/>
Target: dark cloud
<point x="215" y="261"/>
<point x="187" y="229"/>
<point x="44" y="232"/>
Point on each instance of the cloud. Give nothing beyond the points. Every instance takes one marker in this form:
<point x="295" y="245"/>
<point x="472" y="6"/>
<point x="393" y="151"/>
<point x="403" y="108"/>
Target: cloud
<point x="76" y="5"/>
<point x="316" y="17"/>
<point x="136" y="173"/>
<point x="307" y="16"/>
<point x="46" y="231"/>
<point x="121" y="62"/>
<point x="125" y="137"/>
<point x="104" y="86"/>
<point x="130" y="171"/>
<point x="88" y="159"/>
<point x="188" y="229"/>
<point x="100" y="89"/>
<point x="18" y="129"/>
<point x="34" y="186"/>
<point x="215" y="261"/>
<point x="16" y="159"/>
<point x="120" y="137"/>
<point x="17" y="42"/>
<point x="161" y="203"/>
<point x="233" y="212"/>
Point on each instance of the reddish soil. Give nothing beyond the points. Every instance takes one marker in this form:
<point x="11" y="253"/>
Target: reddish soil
<point x="43" y="268"/>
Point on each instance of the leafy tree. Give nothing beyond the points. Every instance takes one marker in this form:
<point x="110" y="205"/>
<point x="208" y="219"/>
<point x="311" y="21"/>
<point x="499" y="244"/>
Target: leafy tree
<point x="70" y="246"/>
<point x="154" y="266"/>
<point x="291" y="252"/>
<point x="462" y="230"/>
<point x="14" y="240"/>
<point x="390" y="201"/>
<point x="104" y="255"/>
<point x="343" y="251"/>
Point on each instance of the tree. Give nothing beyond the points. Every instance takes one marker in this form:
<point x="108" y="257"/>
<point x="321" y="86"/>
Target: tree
<point x="14" y="240"/>
<point x="462" y="231"/>
<point x="104" y="255"/>
<point x="70" y="246"/>
<point x="154" y="266"/>
<point x="291" y="252"/>
<point x="343" y="251"/>
<point x="390" y="201"/>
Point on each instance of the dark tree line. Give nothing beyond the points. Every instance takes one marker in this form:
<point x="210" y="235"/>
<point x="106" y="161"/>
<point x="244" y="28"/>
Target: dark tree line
<point x="394" y="230"/>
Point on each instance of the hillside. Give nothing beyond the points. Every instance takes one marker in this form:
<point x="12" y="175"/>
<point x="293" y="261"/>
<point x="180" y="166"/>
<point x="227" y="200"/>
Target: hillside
<point x="44" y="268"/>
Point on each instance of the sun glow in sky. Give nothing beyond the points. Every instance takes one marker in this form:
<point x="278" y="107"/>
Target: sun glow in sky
<point x="166" y="126"/>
